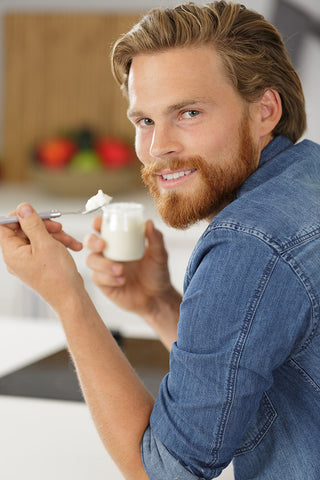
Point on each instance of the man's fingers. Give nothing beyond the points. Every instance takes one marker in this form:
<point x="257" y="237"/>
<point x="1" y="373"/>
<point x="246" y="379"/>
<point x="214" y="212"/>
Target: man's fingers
<point x="52" y="226"/>
<point x="31" y="227"/>
<point x="68" y="241"/>
<point x="94" y="243"/>
<point x="98" y="262"/>
<point x="9" y="237"/>
<point x="105" y="272"/>
<point x="30" y="222"/>
<point x="103" y="279"/>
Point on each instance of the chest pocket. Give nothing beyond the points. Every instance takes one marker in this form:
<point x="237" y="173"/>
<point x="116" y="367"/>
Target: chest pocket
<point x="259" y="426"/>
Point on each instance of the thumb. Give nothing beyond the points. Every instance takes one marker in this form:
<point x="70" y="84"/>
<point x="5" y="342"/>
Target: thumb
<point x="30" y="222"/>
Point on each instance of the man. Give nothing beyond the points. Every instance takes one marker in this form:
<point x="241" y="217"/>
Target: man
<point x="217" y="109"/>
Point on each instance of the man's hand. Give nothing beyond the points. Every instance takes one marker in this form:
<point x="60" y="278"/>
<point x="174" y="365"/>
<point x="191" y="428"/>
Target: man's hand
<point x="131" y="285"/>
<point x="35" y="251"/>
<point x="142" y="286"/>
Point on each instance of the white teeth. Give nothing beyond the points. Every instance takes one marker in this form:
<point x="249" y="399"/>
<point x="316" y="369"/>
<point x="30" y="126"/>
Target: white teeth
<point x="176" y="175"/>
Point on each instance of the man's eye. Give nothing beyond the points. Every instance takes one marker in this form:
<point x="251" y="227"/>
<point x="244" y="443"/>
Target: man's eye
<point x="145" y="122"/>
<point x="190" y="114"/>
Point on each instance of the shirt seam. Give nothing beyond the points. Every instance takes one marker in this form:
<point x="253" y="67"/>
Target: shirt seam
<point x="291" y="263"/>
<point x="294" y="364"/>
<point x="237" y="353"/>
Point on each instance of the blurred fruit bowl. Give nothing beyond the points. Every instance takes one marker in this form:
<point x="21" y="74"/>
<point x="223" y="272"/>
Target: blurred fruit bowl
<point x="79" y="162"/>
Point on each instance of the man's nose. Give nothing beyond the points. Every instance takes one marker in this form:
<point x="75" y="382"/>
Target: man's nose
<point x="164" y="142"/>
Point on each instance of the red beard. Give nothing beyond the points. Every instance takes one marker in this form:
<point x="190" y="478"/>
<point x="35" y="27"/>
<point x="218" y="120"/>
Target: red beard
<point x="218" y="187"/>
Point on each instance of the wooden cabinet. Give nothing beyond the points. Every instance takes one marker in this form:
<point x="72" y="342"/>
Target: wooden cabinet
<point x="58" y="77"/>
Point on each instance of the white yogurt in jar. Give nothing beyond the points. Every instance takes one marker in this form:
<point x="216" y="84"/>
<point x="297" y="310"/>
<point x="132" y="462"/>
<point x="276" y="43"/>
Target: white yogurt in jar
<point x="123" y="229"/>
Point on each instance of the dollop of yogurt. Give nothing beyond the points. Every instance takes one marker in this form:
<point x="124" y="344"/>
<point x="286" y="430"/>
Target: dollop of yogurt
<point x="98" y="200"/>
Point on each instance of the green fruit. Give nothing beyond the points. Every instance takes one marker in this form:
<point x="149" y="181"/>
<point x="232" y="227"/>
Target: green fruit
<point x="85" y="161"/>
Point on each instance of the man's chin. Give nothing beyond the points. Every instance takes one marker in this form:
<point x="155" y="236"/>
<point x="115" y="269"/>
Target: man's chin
<point x="178" y="210"/>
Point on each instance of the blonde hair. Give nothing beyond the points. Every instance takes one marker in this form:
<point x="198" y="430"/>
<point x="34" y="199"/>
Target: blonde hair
<point x="252" y="51"/>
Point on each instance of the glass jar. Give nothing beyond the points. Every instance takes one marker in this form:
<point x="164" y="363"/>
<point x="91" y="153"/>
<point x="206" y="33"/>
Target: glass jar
<point x="123" y="229"/>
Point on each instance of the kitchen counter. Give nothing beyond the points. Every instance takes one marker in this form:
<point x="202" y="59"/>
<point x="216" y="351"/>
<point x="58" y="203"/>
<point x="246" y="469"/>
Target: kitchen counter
<point x="50" y="439"/>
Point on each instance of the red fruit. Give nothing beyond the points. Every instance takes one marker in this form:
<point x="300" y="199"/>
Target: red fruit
<point x="114" y="153"/>
<point x="56" y="153"/>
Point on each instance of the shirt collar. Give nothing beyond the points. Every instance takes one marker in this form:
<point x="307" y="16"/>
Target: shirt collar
<point x="266" y="168"/>
<point x="276" y="146"/>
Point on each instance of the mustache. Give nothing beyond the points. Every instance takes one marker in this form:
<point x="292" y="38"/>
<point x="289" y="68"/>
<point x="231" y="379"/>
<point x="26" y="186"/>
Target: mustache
<point x="174" y="163"/>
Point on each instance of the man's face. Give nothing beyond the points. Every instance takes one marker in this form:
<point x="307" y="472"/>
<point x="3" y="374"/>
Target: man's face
<point x="193" y="132"/>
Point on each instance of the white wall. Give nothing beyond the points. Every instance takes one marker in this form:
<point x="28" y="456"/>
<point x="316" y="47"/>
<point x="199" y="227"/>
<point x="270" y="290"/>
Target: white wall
<point x="310" y="76"/>
<point x="309" y="71"/>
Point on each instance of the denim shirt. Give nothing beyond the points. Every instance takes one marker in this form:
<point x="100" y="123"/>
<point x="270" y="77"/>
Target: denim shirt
<point x="244" y="380"/>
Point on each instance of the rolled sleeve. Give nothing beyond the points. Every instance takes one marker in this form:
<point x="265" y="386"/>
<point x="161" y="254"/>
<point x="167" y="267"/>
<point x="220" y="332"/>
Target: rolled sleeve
<point x="158" y="462"/>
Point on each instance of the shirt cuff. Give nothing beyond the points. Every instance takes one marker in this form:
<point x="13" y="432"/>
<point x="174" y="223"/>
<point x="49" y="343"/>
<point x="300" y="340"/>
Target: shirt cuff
<point x="158" y="462"/>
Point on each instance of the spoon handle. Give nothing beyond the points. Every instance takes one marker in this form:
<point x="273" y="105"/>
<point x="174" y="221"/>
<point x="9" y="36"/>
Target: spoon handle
<point x="4" y="220"/>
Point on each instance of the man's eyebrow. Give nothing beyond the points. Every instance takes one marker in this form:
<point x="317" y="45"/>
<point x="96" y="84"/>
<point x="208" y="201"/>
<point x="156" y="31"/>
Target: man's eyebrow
<point x="171" y="108"/>
<point x="186" y="103"/>
<point x="134" y="113"/>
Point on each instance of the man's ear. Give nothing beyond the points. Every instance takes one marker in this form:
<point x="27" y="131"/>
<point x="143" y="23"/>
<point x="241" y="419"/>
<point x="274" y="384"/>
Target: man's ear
<point x="270" y="111"/>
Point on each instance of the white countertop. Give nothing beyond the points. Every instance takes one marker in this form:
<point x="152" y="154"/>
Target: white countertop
<point x="26" y="340"/>
<point x="50" y="440"/>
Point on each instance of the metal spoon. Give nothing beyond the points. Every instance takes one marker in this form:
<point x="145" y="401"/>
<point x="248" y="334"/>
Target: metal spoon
<point x="50" y="214"/>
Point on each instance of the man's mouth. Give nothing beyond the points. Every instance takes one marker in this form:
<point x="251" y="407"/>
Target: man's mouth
<point x="171" y="176"/>
<point x="176" y="175"/>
